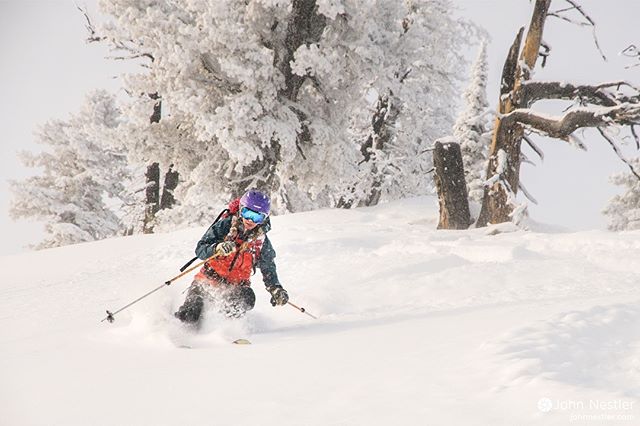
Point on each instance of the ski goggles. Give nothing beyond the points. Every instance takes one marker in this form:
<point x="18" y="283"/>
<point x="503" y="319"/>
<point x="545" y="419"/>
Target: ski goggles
<point x="255" y="217"/>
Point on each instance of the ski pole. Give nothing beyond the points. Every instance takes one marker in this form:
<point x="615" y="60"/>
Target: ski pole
<point x="110" y="315"/>
<point x="303" y="310"/>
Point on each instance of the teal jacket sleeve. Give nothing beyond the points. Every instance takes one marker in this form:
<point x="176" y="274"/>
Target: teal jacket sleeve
<point x="214" y="235"/>
<point x="267" y="264"/>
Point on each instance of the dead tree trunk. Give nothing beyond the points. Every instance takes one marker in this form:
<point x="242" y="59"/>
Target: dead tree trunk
<point x="504" y="155"/>
<point x="451" y="186"/>
<point x="604" y="106"/>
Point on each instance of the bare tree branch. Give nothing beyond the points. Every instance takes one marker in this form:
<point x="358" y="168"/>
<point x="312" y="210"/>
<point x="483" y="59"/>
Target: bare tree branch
<point x="569" y="20"/>
<point x="577" y="7"/>
<point x="527" y="193"/>
<point x="525" y="160"/>
<point x="544" y="53"/>
<point x="631" y="51"/>
<point x="562" y="10"/>
<point x="93" y="36"/>
<point x="403" y="76"/>
<point x="117" y="44"/>
<point x="635" y="136"/>
<point x="616" y="149"/>
<point x="588" y="22"/>
<point x="534" y="147"/>
<point x="132" y="56"/>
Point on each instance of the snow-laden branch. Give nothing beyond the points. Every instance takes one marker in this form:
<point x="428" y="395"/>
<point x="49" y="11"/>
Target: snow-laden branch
<point x="211" y="65"/>
<point x="604" y="94"/>
<point x="562" y="127"/>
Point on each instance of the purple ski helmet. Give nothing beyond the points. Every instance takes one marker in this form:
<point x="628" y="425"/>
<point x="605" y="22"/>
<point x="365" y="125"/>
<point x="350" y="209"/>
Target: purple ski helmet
<point x="256" y="201"/>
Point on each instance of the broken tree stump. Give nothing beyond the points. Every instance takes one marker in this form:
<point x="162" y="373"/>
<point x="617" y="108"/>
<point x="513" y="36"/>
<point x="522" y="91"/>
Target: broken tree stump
<point x="451" y="186"/>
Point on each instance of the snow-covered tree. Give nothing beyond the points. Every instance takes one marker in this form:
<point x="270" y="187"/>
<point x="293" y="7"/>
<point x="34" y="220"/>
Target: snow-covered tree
<point x="624" y="210"/>
<point x="80" y="177"/>
<point x="316" y="101"/>
<point x="472" y="128"/>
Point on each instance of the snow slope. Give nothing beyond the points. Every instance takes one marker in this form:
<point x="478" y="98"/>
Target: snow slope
<point x="416" y="326"/>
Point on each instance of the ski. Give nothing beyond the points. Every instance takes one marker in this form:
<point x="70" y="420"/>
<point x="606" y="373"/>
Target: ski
<point x="235" y="342"/>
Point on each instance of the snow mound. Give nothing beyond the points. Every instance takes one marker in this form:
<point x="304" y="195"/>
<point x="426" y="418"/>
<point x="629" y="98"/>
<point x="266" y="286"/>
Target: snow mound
<point x="598" y="348"/>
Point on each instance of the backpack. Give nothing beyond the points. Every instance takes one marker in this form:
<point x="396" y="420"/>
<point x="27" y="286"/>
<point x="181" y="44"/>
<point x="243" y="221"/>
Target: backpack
<point x="231" y="209"/>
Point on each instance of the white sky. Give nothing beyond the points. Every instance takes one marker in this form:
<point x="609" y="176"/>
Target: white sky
<point x="47" y="68"/>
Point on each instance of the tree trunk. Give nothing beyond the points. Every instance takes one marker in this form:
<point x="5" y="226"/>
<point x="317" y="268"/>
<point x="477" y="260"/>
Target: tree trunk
<point x="497" y="204"/>
<point x="157" y="108"/>
<point x="152" y="191"/>
<point x="381" y="134"/>
<point x="167" y="200"/>
<point x="152" y="197"/>
<point x="382" y="122"/>
<point x="451" y="186"/>
<point x="305" y="26"/>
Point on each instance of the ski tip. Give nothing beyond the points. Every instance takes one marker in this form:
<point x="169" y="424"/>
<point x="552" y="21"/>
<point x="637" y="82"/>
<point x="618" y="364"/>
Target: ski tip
<point x="241" y="342"/>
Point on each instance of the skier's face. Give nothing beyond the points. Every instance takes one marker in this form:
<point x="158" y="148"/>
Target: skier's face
<point x="248" y="224"/>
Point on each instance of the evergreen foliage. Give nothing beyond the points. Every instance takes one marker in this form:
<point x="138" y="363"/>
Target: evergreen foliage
<point x="472" y="129"/>
<point x="82" y="179"/>
<point x="282" y="95"/>
<point x="624" y="210"/>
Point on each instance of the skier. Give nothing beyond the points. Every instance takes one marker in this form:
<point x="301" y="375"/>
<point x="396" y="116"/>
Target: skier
<point x="239" y="243"/>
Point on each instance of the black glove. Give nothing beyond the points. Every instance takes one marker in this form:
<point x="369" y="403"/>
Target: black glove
<point x="279" y="295"/>
<point x="225" y="248"/>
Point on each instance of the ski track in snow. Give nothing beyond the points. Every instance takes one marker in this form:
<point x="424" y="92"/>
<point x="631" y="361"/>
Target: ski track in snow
<point x="457" y="327"/>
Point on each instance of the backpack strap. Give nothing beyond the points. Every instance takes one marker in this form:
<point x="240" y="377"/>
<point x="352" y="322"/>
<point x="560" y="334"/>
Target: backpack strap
<point x="252" y="237"/>
<point x="223" y="214"/>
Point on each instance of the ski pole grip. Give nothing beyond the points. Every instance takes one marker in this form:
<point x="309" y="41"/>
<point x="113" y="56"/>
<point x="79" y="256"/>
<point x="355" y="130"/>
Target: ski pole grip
<point x="186" y="265"/>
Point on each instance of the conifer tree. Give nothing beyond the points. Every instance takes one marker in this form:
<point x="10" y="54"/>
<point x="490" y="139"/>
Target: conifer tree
<point x="624" y="210"/>
<point x="472" y="128"/>
<point x="82" y="179"/>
